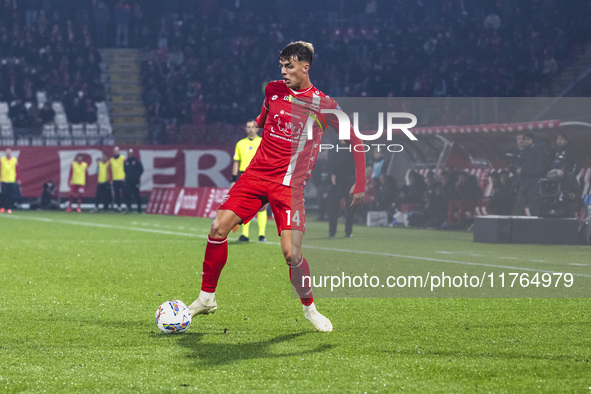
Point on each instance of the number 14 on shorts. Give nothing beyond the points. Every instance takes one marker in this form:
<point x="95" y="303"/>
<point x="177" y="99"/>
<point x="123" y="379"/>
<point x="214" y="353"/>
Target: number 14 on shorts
<point x="295" y="218"/>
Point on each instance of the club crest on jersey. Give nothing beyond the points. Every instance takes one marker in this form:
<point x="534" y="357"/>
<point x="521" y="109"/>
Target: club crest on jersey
<point x="289" y="129"/>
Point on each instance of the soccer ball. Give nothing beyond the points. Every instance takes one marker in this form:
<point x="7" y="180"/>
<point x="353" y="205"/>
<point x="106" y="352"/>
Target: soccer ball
<point x="173" y="316"/>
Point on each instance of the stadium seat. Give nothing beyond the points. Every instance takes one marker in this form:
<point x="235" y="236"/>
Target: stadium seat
<point x="105" y="130"/>
<point x="6" y="130"/>
<point x="60" y="119"/>
<point x="91" y="130"/>
<point x="3" y="108"/>
<point x="49" y="130"/>
<point x="23" y="141"/>
<point x="80" y="141"/>
<point x="77" y="130"/>
<point x="36" y="141"/>
<point x="51" y="141"/>
<point x="63" y="130"/>
<point x="66" y="141"/>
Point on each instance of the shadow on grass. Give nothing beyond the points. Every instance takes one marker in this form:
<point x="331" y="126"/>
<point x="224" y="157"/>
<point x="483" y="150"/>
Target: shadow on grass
<point x="221" y="352"/>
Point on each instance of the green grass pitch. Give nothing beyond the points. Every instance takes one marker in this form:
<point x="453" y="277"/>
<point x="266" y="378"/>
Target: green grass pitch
<point x="78" y="294"/>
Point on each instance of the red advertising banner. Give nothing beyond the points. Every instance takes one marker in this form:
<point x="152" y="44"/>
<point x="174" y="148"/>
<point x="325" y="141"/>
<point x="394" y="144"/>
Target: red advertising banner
<point x="165" y="166"/>
<point x="186" y="201"/>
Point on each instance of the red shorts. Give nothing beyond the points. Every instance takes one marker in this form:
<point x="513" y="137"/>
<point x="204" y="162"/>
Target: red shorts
<point x="250" y="193"/>
<point x="76" y="189"/>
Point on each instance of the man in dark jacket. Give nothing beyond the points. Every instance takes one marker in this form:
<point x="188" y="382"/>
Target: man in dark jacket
<point x="342" y="177"/>
<point x="530" y="171"/>
<point x="565" y="157"/>
<point x="133" y="172"/>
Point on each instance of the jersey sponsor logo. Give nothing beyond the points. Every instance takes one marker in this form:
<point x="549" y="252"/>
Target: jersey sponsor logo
<point x="283" y="112"/>
<point x="294" y="100"/>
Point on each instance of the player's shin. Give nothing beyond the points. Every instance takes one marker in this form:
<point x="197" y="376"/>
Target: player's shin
<point x="216" y="255"/>
<point x="299" y="275"/>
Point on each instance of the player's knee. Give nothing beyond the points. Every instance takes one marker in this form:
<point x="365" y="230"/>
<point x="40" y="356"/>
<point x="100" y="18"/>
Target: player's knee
<point x="216" y="230"/>
<point x="291" y="257"/>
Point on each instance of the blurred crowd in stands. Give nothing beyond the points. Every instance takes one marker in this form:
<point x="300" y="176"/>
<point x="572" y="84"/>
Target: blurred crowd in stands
<point x="48" y="53"/>
<point x="207" y="61"/>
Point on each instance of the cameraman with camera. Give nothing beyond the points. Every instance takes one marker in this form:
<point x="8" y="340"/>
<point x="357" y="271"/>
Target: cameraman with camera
<point x="565" y="157"/>
<point x="530" y="169"/>
<point x="560" y="194"/>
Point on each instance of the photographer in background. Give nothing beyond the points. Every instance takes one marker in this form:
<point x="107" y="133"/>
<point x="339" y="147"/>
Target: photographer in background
<point x="565" y="157"/>
<point x="530" y="169"/>
<point x="568" y="191"/>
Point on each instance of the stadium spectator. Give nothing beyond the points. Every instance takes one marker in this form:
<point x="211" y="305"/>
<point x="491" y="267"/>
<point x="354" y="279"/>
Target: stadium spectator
<point x="413" y="193"/>
<point x="461" y="209"/>
<point x="122" y="16"/>
<point x="103" y="186"/>
<point x="102" y="17"/>
<point x="10" y="179"/>
<point x="77" y="182"/>
<point x="321" y="179"/>
<point x="243" y="154"/>
<point x="530" y="170"/>
<point x="570" y="191"/>
<point x="18" y="114"/>
<point x="565" y="156"/>
<point x="501" y="199"/>
<point x="386" y="193"/>
<point x="49" y="197"/>
<point x="342" y="177"/>
<point x="116" y="164"/>
<point x="133" y="173"/>
<point x="46" y="113"/>
<point x="436" y="201"/>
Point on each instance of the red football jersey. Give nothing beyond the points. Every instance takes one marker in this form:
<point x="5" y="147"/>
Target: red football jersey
<point x="287" y="154"/>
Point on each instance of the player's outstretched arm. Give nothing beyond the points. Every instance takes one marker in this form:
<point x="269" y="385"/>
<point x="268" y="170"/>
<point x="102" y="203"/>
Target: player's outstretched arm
<point x="357" y="192"/>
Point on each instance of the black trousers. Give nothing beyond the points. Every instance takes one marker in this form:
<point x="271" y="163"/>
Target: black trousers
<point x="132" y="192"/>
<point x="103" y="195"/>
<point x="118" y="192"/>
<point x="335" y="194"/>
<point x="7" y="192"/>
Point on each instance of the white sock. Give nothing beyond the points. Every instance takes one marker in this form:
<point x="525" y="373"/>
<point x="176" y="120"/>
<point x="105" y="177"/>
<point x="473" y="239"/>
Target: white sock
<point x="309" y="308"/>
<point x="205" y="296"/>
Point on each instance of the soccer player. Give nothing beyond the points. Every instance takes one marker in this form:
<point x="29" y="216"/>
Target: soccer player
<point x="118" y="176"/>
<point x="77" y="181"/>
<point x="277" y="174"/>
<point x="103" y="189"/>
<point x="244" y="152"/>
<point x="9" y="175"/>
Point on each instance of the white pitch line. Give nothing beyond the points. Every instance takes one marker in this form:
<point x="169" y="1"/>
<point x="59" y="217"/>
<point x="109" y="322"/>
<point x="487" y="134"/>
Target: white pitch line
<point x="364" y="252"/>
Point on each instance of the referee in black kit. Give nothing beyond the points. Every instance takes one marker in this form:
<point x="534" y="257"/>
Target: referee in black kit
<point x="133" y="172"/>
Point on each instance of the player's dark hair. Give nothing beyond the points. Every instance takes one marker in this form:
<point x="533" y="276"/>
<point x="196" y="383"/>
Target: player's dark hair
<point x="301" y="50"/>
<point x="563" y="136"/>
